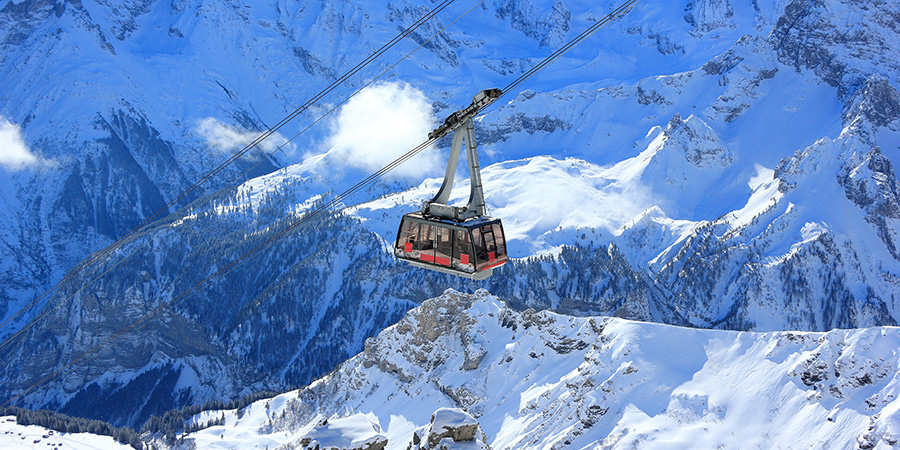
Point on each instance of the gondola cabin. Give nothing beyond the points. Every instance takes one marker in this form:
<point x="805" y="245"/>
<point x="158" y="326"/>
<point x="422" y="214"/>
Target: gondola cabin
<point x="459" y="240"/>
<point x="472" y="248"/>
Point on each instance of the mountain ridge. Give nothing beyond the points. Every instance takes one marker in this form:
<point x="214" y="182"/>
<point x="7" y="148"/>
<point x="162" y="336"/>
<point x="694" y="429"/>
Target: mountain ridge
<point x="537" y="379"/>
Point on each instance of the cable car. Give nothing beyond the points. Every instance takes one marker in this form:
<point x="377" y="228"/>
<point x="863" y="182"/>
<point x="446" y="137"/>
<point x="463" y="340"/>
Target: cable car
<point x="461" y="241"/>
<point x="471" y="248"/>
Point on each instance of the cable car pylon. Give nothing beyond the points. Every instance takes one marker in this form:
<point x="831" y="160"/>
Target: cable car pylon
<point x="458" y="240"/>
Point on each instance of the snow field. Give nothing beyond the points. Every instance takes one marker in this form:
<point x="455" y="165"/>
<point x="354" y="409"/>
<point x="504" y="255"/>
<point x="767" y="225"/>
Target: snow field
<point x="20" y="437"/>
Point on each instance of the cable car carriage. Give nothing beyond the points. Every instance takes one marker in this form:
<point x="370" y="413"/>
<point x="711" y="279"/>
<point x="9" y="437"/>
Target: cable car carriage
<point x="460" y="241"/>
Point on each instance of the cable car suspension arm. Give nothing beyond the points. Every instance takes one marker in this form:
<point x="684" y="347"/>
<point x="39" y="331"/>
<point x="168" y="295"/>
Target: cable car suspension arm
<point x="460" y="123"/>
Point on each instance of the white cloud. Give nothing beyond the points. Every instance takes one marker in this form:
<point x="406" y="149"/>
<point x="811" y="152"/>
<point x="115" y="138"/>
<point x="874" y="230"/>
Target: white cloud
<point x="380" y="124"/>
<point x="14" y="153"/>
<point x="230" y="139"/>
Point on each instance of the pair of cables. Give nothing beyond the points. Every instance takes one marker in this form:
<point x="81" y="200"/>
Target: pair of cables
<point x="268" y="133"/>
<point x="224" y="164"/>
<point x="121" y="241"/>
<point x="618" y="12"/>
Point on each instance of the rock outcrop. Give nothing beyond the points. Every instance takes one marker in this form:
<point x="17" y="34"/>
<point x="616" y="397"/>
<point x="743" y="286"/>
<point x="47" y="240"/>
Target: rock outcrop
<point x="356" y="432"/>
<point x="447" y="430"/>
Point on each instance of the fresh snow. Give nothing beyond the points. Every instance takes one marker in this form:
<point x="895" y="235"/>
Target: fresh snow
<point x="21" y="437"/>
<point x="544" y="380"/>
<point x="355" y="431"/>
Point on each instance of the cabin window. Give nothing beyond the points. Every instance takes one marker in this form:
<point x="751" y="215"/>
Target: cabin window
<point x="425" y="238"/>
<point x="481" y="254"/>
<point x="407" y="236"/>
<point x="443" y="246"/>
<point x="462" y="249"/>
<point x="489" y="244"/>
<point x="500" y="239"/>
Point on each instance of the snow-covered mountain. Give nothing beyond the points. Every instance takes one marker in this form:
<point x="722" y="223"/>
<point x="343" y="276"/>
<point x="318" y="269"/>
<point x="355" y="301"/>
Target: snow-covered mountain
<point x="700" y="163"/>
<point x="542" y="380"/>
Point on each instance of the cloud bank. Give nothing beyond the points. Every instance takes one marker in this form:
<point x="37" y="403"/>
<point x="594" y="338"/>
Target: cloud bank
<point x="380" y="124"/>
<point x="14" y="153"/>
<point x="230" y="139"/>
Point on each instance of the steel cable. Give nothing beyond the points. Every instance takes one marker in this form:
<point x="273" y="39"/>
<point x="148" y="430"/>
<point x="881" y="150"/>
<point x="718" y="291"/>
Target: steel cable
<point x="321" y="209"/>
<point x="616" y="13"/>
<point x="265" y="135"/>
<point x="279" y="148"/>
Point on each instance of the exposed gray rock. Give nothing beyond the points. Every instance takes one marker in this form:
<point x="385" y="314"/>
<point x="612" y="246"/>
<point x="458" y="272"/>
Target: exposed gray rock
<point x="812" y="34"/>
<point x="508" y="66"/>
<point x="722" y="63"/>
<point x="646" y="98"/>
<point x="549" y="28"/>
<point x="697" y="142"/>
<point x="877" y="102"/>
<point x="707" y="15"/>
<point x="312" y="64"/>
<point x="665" y="44"/>
<point x="804" y="38"/>
<point x="449" y="426"/>
<point x="441" y="45"/>
<point x="519" y="122"/>
<point x="872" y="185"/>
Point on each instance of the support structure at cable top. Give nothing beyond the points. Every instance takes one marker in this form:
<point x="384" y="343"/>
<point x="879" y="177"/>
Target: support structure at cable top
<point x="460" y="123"/>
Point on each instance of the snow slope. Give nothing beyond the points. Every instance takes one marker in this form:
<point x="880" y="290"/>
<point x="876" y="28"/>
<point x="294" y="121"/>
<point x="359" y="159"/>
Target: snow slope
<point x="21" y="437"/>
<point x="543" y="380"/>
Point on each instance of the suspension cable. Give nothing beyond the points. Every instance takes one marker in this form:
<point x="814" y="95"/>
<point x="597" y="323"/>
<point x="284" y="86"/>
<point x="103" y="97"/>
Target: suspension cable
<point x="623" y="9"/>
<point x="241" y="176"/>
<point x="228" y="268"/>
<point x="325" y="207"/>
<point x="262" y="137"/>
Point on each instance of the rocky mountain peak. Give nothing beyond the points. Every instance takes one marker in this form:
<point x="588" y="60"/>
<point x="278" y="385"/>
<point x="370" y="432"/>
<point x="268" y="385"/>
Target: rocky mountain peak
<point x="533" y="20"/>
<point x="446" y="315"/>
<point x="818" y="35"/>
<point x="697" y="142"/>
<point x="707" y="15"/>
<point x="870" y="183"/>
<point x="877" y="102"/>
<point x="555" y="381"/>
